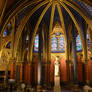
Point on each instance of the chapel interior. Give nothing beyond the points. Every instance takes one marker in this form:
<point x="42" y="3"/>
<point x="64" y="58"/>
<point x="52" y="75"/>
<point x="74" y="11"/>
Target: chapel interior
<point x="45" y="45"/>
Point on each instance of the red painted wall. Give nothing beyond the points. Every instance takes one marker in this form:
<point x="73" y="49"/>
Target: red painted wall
<point x="36" y="69"/>
<point x="21" y="72"/>
<point x="25" y="72"/>
<point x="52" y="69"/>
<point x="12" y="66"/>
<point x="79" y="69"/>
<point x="90" y="70"/>
<point x="63" y="70"/>
<point x="70" y="72"/>
<point x="46" y="72"/>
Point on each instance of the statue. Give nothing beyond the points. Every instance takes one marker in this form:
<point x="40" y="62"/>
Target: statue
<point x="57" y="87"/>
<point x="56" y="64"/>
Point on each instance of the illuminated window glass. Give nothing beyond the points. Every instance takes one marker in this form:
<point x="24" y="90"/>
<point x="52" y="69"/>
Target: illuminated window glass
<point x="27" y="37"/>
<point x="61" y="44"/>
<point x="89" y="43"/>
<point x="36" y="43"/>
<point x="78" y="43"/>
<point x="5" y="33"/>
<point x="54" y="44"/>
<point x="88" y="40"/>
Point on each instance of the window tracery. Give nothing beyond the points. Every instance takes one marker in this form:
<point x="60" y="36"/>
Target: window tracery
<point x="36" y="43"/>
<point x="78" y="43"/>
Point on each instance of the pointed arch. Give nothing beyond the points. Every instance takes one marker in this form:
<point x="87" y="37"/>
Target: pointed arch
<point x="50" y="30"/>
<point x="80" y="11"/>
<point x="35" y="29"/>
<point x="3" y="10"/>
<point x="23" y="23"/>
<point x="79" y="31"/>
<point x="65" y="35"/>
<point x="15" y="10"/>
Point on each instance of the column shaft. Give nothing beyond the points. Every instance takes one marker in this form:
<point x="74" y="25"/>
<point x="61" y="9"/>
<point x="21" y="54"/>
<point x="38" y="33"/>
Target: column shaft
<point x="74" y="58"/>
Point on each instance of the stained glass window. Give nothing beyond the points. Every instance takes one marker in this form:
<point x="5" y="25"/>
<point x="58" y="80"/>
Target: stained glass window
<point x="89" y="43"/>
<point x="58" y="33"/>
<point x="36" y="43"/>
<point x="88" y="40"/>
<point x="54" y="44"/>
<point x="61" y="44"/>
<point x="5" y="33"/>
<point x="78" y="43"/>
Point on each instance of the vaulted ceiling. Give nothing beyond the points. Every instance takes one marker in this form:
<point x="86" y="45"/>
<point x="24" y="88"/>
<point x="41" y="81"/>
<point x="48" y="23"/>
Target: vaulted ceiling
<point x="69" y="12"/>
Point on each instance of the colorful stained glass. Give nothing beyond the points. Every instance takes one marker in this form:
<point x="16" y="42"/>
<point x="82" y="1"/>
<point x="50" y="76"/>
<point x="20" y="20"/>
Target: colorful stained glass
<point x="89" y="43"/>
<point x="88" y="39"/>
<point x="58" y="33"/>
<point x="61" y="44"/>
<point x="54" y="44"/>
<point x="5" y="33"/>
<point x="78" y="43"/>
<point x="36" y="43"/>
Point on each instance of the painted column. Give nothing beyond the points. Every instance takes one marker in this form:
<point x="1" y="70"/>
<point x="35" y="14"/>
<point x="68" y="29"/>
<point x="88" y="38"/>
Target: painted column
<point x="21" y="72"/>
<point x="44" y="60"/>
<point x="84" y="72"/>
<point x="74" y="57"/>
<point x="13" y="35"/>
<point x="17" y="71"/>
<point x="67" y="59"/>
<point x="7" y="75"/>
<point x="44" y="52"/>
<point x="12" y="66"/>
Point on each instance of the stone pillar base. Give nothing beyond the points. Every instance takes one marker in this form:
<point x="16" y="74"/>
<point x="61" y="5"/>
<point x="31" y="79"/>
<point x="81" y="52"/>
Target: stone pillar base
<point x="38" y="88"/>
<point x="57" y="87"/>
